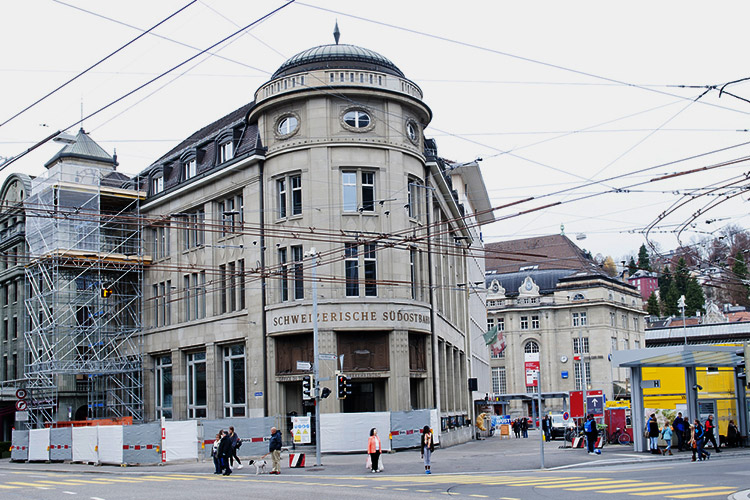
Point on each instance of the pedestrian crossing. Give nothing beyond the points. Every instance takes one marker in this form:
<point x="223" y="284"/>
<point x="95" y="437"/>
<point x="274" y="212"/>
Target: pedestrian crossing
<point x="617" y="487"/>
<point x="607" y="485"/>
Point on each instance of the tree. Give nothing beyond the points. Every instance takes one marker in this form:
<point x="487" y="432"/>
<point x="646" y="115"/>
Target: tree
<point x="681" y="276"/>
<point x="632" y="267"/>
<point x="609" y="267"/>
<point x="694" y="299"/>
<point x="653" y="305"/>
<point x="643" y="259"/>
<point x="665" y="281"/>
<point x="738" y="289"/>
<point x="670" y="307"/>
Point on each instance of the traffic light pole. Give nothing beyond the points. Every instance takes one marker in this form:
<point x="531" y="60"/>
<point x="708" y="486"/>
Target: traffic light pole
<point x="315" y="388"/>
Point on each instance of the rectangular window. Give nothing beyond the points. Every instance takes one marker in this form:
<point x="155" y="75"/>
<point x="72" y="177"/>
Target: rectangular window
<point x="524" y="322"/>
<point x="163" y="390"/>
<point x="413" y="272"/>
<point x="196" y="385"/>
<point x="636" y="344"/>
<point x="584" y="343"/>
<point x="296" y="182"/>
<point x="579" y="319"/>
<point x="188" y="299"/>
<point x="625" y="321"/>
<point x="635" y="324"/>
<point x="226" y="151"/>
<point x="223" y="306"/>
<point x="15" y="327"/>
<point x="232" y="286"/>
<point x="5" y="329"/>
<point x="500" y="324"/>
<point x="189" y="169"/>
<point x="157" y="185"/>
<point x="241" y="283"/>
<point x="579" y="375"/>
<point x="299" y="278"/>
<point x="349" y="184"/>
<point x="612" y="319"/>
<point x="281" y="197"/>
<point x="613" y="345"/>
<point x="283" y="275"/>
<point x="193" y="229"/>
<point x="414" y="200"/>
<point x="234" y="381"/>
<point x="351" y="269"/>
<point x="499" y="384"/>
<point x="371" y="270"/>
<point x="231" y="212"/>
<point x="535" y="322"/>
<point x="154" y="300"/>
<point x="200" y="295"/>
<point x="368" y="191"/>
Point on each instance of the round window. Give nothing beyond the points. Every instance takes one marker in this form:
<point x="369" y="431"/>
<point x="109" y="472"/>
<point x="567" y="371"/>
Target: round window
<point x="412" y="132"/>
<point x="287" y="125"/>
<point x="357" y="118"/>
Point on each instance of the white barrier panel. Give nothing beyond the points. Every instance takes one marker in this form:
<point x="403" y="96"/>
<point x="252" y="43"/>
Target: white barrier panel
<point x="350" y="431"/>
<point x="180" y="440"/>
<point x="110" y="444"/>
<point x="435" y="425"/>
<point x="84" y="444"/>
<point x="38" y="444"/>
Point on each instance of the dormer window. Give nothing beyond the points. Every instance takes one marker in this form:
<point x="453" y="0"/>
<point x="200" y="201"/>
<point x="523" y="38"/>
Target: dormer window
<point x="157" y="185"/>
<point x="226" y="151"/>
<point x="189" y="169"/>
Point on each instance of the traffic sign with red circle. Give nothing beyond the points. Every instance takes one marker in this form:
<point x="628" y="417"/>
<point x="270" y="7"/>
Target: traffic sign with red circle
<point x="21" y="405"/>
<point x="21" y="393"/>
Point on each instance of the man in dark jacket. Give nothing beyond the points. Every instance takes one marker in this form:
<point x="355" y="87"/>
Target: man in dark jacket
<point x="589" y="427"/>
<point x="225" y="451"/>
<point x="679" y="428"/>
<point x="274" y="448"/>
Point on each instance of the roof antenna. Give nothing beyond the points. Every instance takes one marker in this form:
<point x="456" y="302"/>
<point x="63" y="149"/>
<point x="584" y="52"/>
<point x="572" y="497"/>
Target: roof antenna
<point x="336" y="32"/>
<point x="81" y="113"/>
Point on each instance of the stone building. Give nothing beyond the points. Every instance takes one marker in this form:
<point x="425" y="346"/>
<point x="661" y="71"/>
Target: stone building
<point x="558" y="314"/>
<point x="327" y="171"/>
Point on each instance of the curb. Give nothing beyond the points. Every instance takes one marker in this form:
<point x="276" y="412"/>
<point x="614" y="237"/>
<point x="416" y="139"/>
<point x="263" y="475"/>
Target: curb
<point x="740" y="495"/>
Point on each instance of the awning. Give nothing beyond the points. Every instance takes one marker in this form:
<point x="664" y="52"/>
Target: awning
<point x="678" y="356"/>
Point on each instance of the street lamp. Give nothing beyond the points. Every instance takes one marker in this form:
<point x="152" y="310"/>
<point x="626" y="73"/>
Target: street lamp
<point x="313" y="255"/>
<point x="681" y="304"/>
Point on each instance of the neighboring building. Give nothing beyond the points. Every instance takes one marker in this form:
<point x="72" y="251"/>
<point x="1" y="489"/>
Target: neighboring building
<point x="646" y="282"/>
<point x="13" y="258"/>
<point x="331" y="155"/>
<point x="559" y="314"/>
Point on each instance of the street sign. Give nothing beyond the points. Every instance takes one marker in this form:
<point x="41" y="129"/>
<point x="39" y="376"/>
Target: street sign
<point x="566" y="415"/>
<point x="301" y="430"/>
<point x="650" y="384"/>
<point x="21" y="405"/>
<point x="22" y="416"/>
<point x="303" y="366"/>
<point x="327" y="357"/>
<point x="21" y="394"/>
<point x="595" y="405"/>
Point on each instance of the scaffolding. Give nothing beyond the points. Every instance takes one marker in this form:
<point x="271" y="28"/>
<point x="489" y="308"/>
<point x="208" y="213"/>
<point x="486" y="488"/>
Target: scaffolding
<point x="83" y="299"/>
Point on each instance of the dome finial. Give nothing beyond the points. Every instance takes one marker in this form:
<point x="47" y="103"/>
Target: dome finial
<point x="336" y="32"/>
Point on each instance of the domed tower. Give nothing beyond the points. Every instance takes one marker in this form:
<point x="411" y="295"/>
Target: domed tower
<point x="345" y="174"/>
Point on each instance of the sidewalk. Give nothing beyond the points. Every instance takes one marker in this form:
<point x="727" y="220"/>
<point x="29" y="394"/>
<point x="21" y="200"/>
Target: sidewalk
<point x="488" y="455"/>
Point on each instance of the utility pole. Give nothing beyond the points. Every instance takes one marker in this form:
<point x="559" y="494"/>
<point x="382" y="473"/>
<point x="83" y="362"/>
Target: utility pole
<point x="313" y="254"/>
<point x="681" y="304"/>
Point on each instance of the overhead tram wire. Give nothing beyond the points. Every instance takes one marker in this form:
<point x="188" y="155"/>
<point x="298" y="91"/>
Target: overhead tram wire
<point x="161" y="75"/>
<point x="508" y="54"/>
<point x="100" y="61"/>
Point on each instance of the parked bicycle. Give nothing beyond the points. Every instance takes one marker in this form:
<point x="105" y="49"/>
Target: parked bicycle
<point x="619" y="436"/>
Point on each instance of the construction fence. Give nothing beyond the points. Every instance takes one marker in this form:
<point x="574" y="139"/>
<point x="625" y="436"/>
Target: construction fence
<point x="172" y="441"/>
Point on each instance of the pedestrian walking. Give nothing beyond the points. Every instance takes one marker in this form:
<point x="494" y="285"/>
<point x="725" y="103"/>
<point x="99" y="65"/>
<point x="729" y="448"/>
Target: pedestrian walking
<point x="666" y="435"/>
<point x="652" y="432"/>
<point x="699" y="437"/>
<point x="236" y="443"/>
<point x="427" y="446"/>
<point x="374" y="449"/>
<point x="525" y="427"/>
<point x="709" y="429"/>
<point x="225" y="451"/>
<point x="678" y="426"/>
<point x="547" y="428"/>
<point x="215" y="454"/>
<point x="274" y="448"/>
<point x="589" y="427"/>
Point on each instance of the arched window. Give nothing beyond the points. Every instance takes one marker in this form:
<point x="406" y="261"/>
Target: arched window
<point x="530" y="347"/>
<point x="578" y="296"/>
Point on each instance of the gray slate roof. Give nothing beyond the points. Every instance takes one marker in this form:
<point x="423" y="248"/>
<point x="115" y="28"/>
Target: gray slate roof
<point x="335" y="56"/>
<point x="83" y="148"/>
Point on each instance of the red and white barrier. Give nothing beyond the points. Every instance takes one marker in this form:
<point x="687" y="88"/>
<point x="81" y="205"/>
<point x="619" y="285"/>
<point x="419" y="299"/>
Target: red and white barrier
<point x="296" y="460"/>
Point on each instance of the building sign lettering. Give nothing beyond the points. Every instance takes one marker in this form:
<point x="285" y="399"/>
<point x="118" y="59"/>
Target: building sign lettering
<point x="351" y="317"/>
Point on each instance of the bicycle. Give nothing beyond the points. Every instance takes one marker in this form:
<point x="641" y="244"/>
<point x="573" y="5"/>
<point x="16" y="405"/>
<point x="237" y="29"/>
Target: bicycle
<point x="619" y="436"/>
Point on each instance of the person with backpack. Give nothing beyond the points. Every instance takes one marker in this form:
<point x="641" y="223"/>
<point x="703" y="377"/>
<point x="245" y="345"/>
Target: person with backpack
<point x="678" y="426"/>
<point x="589" y="427"/>
<point x="652" y="432"/>
<point x="666" y="435"/>
<point x="698" y="440"/>
<point x="236" y="443"/>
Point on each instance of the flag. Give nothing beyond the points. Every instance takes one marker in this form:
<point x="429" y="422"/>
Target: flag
<point x="490" y="336"/>
<point x="499" y="346"/>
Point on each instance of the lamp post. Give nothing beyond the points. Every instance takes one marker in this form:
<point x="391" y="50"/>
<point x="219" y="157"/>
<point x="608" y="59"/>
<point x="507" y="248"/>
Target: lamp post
<point x="681" y="304"/>
<point x="313" y="254"/>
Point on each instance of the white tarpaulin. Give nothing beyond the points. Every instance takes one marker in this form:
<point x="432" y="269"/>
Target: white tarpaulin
<point x="435" y="425"/>
<point x="110" y="444"/>
<point x="38" y="444"/>
<point x="350" y="431"/>
<point x="180" y="440"/>
<point x="84" y="444"/>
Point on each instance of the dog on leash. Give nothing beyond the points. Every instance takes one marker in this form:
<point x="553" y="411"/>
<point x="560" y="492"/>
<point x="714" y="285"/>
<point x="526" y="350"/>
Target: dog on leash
<point x="260" y="466"/>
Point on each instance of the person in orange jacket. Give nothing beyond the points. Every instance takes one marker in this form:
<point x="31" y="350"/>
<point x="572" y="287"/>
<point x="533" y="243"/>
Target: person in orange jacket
<point x="373" y="448"/>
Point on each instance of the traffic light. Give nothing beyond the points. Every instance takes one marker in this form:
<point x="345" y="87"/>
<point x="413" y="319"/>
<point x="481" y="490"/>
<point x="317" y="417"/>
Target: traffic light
<point x="344" y="386"/>
<point x="307" y="387"/>
<point x="106" y="291"/>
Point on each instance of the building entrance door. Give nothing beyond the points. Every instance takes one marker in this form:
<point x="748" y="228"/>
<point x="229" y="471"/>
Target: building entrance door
<point x="367" y="395"/>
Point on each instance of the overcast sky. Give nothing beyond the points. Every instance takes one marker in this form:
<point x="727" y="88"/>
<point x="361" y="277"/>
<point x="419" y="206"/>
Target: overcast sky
<point x="581" y="103"/>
